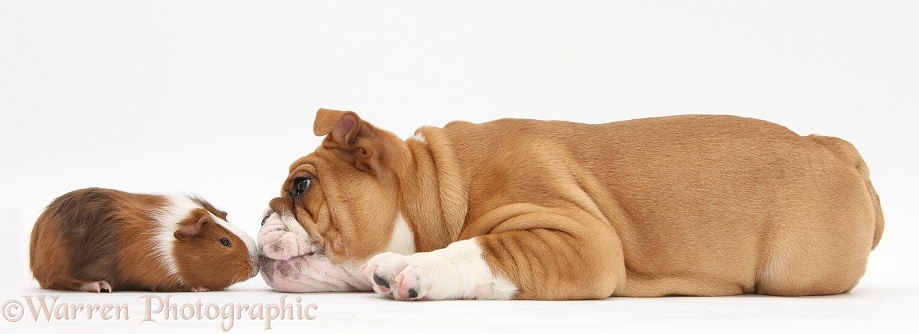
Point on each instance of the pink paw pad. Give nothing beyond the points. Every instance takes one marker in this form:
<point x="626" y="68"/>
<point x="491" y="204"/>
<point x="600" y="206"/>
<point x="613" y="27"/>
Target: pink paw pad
<point x="405" y="288"/>
<point x="400" y="286"/>
<point x="96" y="287"/>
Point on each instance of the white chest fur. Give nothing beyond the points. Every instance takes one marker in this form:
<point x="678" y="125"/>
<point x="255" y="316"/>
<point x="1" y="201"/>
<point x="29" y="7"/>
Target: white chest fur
<point x="402" y="240"/>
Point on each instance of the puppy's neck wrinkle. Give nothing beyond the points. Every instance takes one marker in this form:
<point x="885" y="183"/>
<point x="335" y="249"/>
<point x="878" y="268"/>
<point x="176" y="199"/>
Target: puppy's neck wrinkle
<point x="434" y="196"/>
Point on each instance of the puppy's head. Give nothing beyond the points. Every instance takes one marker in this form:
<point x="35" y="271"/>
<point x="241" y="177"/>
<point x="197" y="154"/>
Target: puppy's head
<point x="344" y="195"/>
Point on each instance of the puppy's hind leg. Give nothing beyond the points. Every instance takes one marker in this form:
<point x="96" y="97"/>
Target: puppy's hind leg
<point x="548" y="264"/>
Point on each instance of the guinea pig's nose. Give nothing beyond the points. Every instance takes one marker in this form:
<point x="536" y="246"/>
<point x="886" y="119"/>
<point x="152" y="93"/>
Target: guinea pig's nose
<point x="254" y="267"/>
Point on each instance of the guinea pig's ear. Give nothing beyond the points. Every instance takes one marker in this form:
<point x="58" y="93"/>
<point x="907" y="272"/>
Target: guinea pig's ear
<point x="340" y="126"/>
<point x="191" y="229"/>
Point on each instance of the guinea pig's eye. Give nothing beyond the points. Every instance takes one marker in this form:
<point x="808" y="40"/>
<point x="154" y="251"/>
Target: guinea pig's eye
<point x="301" y="184"/>
<point x="225" y="242"/>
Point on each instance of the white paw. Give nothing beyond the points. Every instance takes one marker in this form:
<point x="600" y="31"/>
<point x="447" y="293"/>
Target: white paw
<point x="393" y="275"/>
<point x="97" y="287"/>
<point x="455" y="272"/>
<point x="198" y="289"/>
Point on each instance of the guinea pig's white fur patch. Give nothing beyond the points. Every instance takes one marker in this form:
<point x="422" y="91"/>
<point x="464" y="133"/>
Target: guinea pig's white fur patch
<point x="176" y="210"/>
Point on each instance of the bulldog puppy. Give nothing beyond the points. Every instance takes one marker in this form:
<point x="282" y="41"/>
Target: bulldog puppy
<point x="683" y="205"/>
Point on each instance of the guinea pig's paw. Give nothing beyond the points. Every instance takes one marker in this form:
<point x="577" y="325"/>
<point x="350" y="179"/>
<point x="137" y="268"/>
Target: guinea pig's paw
<point x="284" y="245"/>
<point x="96" y="287"/>
<point x="198" y="289"/>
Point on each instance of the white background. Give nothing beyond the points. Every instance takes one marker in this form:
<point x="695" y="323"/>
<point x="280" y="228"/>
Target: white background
<point x="217" y="98"/>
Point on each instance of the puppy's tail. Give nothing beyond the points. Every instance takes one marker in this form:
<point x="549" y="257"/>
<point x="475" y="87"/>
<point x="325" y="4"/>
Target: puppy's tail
<point x="845" y="151"/>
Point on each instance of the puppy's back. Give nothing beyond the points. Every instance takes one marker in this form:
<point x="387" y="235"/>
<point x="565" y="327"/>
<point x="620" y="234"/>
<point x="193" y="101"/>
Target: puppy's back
<point x="704" y="205"/>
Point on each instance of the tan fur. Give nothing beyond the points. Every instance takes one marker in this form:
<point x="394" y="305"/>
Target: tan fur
<point x="197" y="249"/>
<point x="58" y="237"/>
<point x="97" y="234"/>
<point x="682" y="205"/>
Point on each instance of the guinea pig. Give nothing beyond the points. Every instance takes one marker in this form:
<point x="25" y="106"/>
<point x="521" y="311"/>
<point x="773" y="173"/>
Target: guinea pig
<point x="99" y="239"/>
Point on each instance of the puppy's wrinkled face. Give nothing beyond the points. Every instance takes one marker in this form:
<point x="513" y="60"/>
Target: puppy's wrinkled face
<point x="342" y="196"/>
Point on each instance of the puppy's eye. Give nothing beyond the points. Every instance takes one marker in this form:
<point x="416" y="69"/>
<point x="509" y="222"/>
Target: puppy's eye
<point x="225" y="242"/>
<point x="301" y="184"/>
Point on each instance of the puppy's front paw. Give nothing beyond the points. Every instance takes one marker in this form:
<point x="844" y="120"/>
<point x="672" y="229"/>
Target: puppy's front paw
<point x="402" y="277"/>
<point x="456" y="272"/>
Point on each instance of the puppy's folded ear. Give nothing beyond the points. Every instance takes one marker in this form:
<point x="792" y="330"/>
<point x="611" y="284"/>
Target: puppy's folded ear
<point x="361" y="141"/>
<point x="340" y="126"/>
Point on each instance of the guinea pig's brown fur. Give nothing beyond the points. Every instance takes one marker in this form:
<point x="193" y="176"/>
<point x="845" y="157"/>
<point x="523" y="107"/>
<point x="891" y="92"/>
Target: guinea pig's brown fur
<point x="98" y="239"/>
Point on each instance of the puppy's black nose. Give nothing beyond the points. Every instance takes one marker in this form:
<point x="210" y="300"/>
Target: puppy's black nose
<point x="267" y="214"/>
